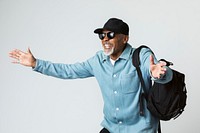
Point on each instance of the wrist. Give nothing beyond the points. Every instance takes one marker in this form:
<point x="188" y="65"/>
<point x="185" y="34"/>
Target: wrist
<point x="33" y="63"/>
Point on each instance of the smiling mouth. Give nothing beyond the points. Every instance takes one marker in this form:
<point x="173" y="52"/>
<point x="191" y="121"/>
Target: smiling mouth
<point x="107" y="46"/>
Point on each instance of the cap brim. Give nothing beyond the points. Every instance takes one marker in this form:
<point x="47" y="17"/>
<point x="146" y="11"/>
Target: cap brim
<point x="99" y="30"/>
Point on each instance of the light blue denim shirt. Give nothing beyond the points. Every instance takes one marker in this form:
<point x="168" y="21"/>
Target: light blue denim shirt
<point x="120" y="87"/>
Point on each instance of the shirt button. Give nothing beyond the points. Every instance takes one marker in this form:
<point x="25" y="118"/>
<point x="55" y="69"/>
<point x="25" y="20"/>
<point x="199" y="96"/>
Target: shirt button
<point x="117" y="109"/>
<point x="120" y="122"/>
<point x="114" y="75"/>
<point x="115" y="92"/>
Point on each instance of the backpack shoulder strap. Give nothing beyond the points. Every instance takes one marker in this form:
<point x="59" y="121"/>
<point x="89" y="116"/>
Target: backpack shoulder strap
<point x="136" y="55"/>
<point x="136" y="63"/>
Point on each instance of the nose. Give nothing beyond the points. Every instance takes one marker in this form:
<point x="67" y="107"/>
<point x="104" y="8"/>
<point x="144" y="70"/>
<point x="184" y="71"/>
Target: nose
<point x="106" y="38"/>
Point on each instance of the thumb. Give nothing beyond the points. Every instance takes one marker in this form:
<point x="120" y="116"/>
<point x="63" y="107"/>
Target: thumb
<point x="29" y="51"/>
<point x="151" y="60"/>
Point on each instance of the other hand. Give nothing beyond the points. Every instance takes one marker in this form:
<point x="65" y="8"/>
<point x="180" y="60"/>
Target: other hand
<point x="157" y="70"/>
<point x="23" y="58"/>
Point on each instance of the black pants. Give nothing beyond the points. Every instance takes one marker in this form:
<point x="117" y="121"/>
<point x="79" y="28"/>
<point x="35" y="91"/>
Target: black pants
<point x="104" y="130"/>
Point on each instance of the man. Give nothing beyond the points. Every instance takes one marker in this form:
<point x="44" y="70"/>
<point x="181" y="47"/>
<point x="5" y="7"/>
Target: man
<point x="117" y="78"/>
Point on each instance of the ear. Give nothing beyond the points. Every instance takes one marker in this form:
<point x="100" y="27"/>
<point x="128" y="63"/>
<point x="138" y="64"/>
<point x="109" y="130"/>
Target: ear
<point x="126" y="38"/>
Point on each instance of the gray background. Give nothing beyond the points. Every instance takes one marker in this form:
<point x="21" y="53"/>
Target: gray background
<point x="62" y="31"/>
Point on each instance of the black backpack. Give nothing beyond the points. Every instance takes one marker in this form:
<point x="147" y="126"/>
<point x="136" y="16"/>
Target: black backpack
<point x="164" y="101"/>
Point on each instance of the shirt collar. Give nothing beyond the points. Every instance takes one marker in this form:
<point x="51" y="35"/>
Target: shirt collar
<point x="125" y="54"/>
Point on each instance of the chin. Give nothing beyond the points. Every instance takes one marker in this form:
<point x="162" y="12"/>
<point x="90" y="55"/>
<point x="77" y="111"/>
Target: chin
<point x="108" y="52"/>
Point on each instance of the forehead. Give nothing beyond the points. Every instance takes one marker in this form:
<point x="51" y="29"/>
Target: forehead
<point x="106" y="31"/>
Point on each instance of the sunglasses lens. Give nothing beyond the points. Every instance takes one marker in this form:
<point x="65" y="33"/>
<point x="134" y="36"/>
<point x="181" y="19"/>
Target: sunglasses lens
<point x="102" y="36"/>
<point x="111" y="35"/>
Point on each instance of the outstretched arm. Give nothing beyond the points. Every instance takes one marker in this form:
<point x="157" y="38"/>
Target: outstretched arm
<point x="23" y="58"/>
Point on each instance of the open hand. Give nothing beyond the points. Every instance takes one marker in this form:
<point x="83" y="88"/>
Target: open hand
<point x="23" y="58"/>
<point x="157" y="70"/>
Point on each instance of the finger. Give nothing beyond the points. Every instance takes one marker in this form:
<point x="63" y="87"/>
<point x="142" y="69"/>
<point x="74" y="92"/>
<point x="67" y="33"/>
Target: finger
<point x="12" y="52"/>
<point x="164" y="69"/>
<point x="19" y="52"/>
<point x="151" y="60"/>
<point x="162" y="72"/>
<point x="15" y="52"/>
<point x="162" y="63"/>
<point x="16" y="62"/>
<point x="13" y="56"/>
<point x="161" y="68"/>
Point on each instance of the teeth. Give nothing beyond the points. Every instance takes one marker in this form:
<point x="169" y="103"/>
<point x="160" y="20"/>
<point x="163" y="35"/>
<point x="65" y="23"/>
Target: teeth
<point x="107" y="46"/>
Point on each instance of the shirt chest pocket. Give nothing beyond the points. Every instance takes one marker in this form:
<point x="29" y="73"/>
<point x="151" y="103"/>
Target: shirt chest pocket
<point x="129" y="83"/>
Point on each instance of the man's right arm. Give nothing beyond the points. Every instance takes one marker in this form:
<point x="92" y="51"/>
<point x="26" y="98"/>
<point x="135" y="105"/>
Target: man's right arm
<point x="64" y="71"/>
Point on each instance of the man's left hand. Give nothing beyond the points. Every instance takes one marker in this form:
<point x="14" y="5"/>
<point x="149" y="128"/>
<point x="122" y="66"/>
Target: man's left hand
<point x="157" y="70"/>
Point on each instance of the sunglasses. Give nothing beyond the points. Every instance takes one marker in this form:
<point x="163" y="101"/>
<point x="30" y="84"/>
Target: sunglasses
<point x="110" y="35"/>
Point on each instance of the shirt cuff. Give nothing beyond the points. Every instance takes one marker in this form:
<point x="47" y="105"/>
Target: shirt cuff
<point x="36" y="65"/>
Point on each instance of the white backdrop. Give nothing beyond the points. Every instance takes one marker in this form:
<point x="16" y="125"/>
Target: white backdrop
<point x="62" y="31"/>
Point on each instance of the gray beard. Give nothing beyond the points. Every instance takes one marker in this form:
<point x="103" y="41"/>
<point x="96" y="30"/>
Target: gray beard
<point x="109" y="52"/>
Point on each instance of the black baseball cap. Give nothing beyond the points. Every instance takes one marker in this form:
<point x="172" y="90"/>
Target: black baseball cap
<point x="116" y="25"/>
